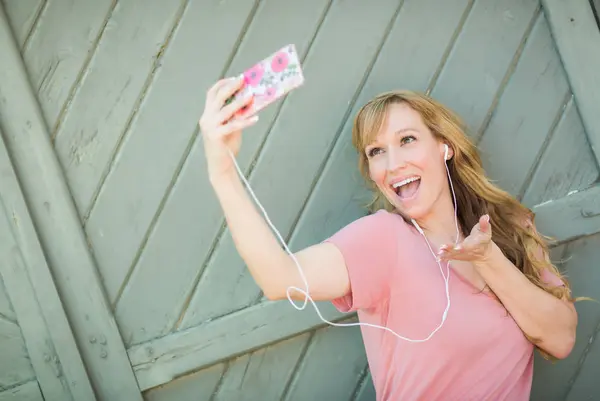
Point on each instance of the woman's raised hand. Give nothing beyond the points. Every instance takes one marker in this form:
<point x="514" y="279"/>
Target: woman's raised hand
<point x="221" y="132"/>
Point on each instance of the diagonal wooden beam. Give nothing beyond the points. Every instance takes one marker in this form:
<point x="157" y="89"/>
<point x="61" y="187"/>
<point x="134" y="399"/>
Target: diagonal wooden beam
<point x="577" y="39"/>
<point x="50" y="343"/>
<point x="59" y="230"/>
<point x="575" y="215"/>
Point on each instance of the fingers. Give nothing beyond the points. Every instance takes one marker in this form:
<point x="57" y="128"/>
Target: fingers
<point x="484" y="224"/>
<point x="236" y="125"/>
<point x="227" y="90"/>
<point x="234" y="107"/>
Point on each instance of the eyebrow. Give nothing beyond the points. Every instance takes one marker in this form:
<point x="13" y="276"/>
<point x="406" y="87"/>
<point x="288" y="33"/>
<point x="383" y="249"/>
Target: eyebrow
<point x="401" y="131"/>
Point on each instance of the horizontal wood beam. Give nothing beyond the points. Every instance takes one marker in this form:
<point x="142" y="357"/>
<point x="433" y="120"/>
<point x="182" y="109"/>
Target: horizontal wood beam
<point x="162" y="360"/>
<point x="59" y="230"/>
<point x="577" y="38"/>
<point x="575" y="215"/>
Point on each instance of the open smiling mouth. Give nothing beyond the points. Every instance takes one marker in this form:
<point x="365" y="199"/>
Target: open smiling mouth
<point x="408" y="188"/>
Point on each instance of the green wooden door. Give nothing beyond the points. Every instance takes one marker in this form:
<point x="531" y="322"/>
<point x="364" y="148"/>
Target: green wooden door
<point x="119" y="87"/>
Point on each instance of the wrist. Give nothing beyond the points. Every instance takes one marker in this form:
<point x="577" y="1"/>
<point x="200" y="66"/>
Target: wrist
<point x="491" y="254"/>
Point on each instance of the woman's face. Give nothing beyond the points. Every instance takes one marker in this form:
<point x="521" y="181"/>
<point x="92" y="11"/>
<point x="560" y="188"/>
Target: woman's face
<point x="406" y="162"/>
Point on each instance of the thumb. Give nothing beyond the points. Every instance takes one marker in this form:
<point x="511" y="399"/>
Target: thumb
<point x="484" y="224"/>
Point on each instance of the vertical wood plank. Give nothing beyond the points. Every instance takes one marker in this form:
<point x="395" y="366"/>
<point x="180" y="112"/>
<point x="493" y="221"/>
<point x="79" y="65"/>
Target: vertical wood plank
<point x="526" y="112"/>
<point x="61" y="237"/>
<point x="567" y="164"/>
<point x="91" y="127"/>
<point x="334" y="349"/>
<point x="60" y="45"/>
<point x="262" y="374"/>
<point x="578" y="41"/>
<point x="174" y="242"/>
<point x="29" y="391"/>
<point x="15" y="367"/>
<point x="22" y="14"/>
<point x="340" y="194"/>
<point x="162" y="130"/>
<point x="197" y="386"/>
<point x="481" y="57"/>
<point x="297" y="145"/>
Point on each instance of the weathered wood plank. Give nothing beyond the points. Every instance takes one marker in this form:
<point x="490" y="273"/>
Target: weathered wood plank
<point x="575" y="215"/>
<point x="567" y="163"/>
<point x="525" y="113"/>
<point x="57" y="225"/>
<point x="59" y="47"/>
<point x="22" y="14"/>
<point x="162" y="130"/>
<point x="340" y="193"/>
<point x="159" y="361"/>
<point x="100" y="110"/>
<point x="196" y="386"/>
<point x="296" y="147"/>
<point x="553" y="382"/>
<point x="6" y="310"/>
<point x="29" y="391"/>
<point x="15" y="367"/>
<point x="140" y="314"/>
<point x="578" y="41"/>
<point x="334" y="349"/>
<point x="54" y="356"/>
<point x="367" y="390"/>
<point x="262" y="374"/>
<point x="481" y="57"/>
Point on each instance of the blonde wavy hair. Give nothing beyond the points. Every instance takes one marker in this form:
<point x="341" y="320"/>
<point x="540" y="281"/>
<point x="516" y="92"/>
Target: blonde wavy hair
<point x="513" y="228"/>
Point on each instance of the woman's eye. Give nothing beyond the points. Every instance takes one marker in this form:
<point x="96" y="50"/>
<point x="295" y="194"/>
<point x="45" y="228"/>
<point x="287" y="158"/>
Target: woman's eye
<point x="407" y="139"/>
<point x="374" y="152"/>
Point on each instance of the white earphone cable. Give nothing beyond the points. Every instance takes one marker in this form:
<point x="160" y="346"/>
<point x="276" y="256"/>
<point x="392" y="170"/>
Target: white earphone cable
<point x="305" y="292"/>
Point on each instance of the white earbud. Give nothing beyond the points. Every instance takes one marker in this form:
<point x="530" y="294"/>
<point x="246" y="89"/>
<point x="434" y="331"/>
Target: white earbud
<point x="446" y="152"/>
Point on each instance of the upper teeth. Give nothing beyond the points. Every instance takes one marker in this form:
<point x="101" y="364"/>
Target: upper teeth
<point x="404" y="182"/>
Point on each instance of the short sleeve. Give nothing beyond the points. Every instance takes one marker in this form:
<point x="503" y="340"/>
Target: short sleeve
<point x="369" y="246"/>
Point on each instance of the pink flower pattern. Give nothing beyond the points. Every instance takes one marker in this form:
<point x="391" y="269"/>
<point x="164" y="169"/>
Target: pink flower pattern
<point x="272" y="78"/>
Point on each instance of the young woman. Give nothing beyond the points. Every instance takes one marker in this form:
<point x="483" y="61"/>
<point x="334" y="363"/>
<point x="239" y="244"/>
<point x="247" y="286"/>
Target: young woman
<point x="470" y="309"/>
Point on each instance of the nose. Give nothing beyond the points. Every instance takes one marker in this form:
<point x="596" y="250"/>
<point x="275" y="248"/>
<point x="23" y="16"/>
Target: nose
<point x="395" y="159"/>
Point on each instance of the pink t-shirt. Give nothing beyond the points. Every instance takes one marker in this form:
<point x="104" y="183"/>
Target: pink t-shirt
<point x="479" y="353"/>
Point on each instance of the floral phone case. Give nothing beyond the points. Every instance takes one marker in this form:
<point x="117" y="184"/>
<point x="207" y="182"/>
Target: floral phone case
<point x="270" y="80"/>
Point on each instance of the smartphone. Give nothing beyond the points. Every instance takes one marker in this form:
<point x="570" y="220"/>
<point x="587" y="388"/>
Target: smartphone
<point x="269" y="80"/>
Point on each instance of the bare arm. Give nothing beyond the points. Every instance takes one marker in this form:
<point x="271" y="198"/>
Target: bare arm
<point x="271" y="267"/>
<point x="539" y="314"/>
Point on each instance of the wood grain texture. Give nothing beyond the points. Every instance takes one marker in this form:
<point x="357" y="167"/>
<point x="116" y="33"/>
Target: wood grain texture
<point x="408" y="59"/>
<point x="158" y="361"/>
<point x="336" y="353"/>
<point x="111" y="88"/>
<point x="22" y="15"/>
<point x="262" y="374"/>
<point x="567" y="163"/>
<point x="29" y="391"/>
<point x="15" y="367"/>
<point x="282" y="185"/>
<point x="526" y="112"/>
<point x="196" y="386"/>
<point x="578" y="41"/>
<point x="175" y="249"/>
<point x="60" y="236"/>
<point x="162" y="131"/>
<point x="572" y="216"/>
<point x="6" y="310"/>
<point x="55" y="56"/>
<point x="481" y="57"/>
<point x="573" y="378"/>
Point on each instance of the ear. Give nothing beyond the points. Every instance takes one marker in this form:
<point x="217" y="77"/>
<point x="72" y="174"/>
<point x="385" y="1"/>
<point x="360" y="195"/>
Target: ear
<point x="447" y="151"/>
